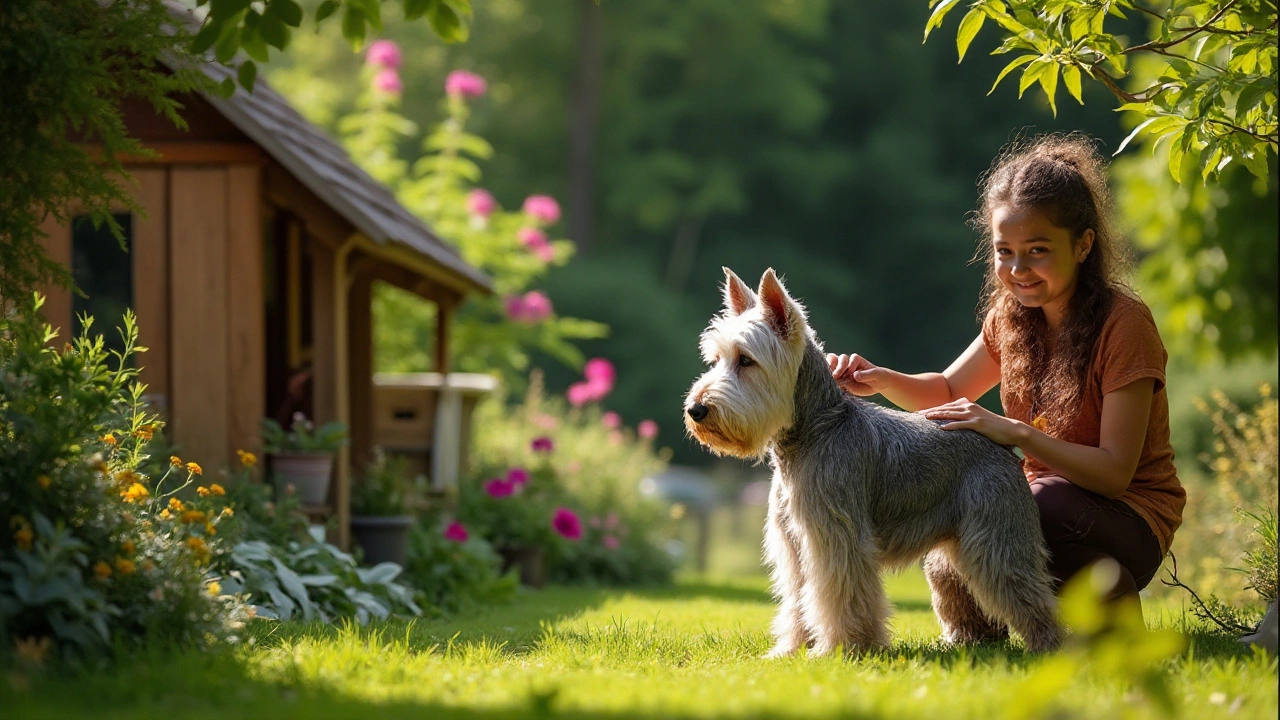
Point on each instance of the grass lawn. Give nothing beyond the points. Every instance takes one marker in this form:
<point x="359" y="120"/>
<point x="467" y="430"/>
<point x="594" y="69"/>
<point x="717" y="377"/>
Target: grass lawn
<point x="691" y="650"/>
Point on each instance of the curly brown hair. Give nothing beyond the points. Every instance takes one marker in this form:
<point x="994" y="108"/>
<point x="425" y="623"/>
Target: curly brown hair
<point x="1064" y="177"/>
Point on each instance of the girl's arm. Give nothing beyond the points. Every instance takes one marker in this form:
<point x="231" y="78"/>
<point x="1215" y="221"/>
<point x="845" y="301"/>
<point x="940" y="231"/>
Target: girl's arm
<point x="1106" y="469"/>
<point x="971" y="375"/>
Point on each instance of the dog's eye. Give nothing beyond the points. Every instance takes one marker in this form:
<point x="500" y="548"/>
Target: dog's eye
<point x="744" y="361"/>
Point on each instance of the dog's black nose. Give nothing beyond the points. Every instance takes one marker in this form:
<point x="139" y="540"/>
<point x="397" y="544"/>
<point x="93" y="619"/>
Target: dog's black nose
<point x="697" y="412"/>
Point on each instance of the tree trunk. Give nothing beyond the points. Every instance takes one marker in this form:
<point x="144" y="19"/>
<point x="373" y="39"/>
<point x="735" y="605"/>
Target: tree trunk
<point x="583" y="115"/>
<point x="684" y="249"/>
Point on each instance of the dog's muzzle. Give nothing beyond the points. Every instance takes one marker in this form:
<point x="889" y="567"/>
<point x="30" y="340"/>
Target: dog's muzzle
<point x="697" y="412"/>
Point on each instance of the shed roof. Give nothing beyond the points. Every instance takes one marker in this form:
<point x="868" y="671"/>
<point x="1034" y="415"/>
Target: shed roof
<point x="326" y="170"/>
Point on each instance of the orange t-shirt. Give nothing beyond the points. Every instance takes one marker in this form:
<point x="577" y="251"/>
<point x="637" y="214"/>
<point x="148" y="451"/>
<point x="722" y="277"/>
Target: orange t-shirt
<point x="1127" y="349"/>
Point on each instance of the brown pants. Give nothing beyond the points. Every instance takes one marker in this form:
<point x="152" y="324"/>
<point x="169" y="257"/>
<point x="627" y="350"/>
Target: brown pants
<point x="1082" y="527"/>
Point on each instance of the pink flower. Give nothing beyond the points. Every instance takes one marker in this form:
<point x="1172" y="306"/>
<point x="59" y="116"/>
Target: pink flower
<point x="387" y="81"/>
<point x="542" y="444"/>
<point x="514" y="305"/>
<point x="384" y="54"/>
<point x="461" y="83"/>
<point x="580" y="394"/>
<point x="601" y="374"/>
<point x="545" y="253"/>
<point x="517" y="476"/>
<point x="537" y="306"/>
<point x="499" y="488"/>
<point x="611" y="420"/>
<point x="610" y="542"/>
<point x="456" y="532"/>
<point x="615" y="437"/>
<point x="647" y="429"/>
<point x="611" y="520"/>
<point x="594" y="521"/>
<point x="546" y="421"/>
<point x="480" y="203"/>
<point x="566" y="522"/>
<point x="544" y="208"/>
<point x="532" y="238"/>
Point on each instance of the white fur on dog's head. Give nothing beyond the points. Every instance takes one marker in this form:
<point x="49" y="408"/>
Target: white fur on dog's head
<point x="748" y="405"/>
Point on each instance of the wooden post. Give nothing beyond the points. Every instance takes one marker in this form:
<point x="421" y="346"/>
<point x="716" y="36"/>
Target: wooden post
<point x="360" y="324"/>
<point x="246" y="362"/>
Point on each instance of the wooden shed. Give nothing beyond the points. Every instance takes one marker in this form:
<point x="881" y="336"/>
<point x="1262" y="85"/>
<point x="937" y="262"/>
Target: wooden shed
<point x="251" y="276"/>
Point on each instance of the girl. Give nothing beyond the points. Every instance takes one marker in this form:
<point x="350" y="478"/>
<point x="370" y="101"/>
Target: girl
<point x="1078" y="359"/>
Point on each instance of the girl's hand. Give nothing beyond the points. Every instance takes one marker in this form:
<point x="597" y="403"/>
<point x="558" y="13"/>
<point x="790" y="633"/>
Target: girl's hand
<point x="965" y="415"/>
<point x="856" y="375"/>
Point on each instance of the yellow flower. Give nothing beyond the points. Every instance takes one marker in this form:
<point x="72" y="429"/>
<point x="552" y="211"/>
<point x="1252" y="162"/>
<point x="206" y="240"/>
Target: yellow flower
<point x="126" y="477"/>
<point x="217" y="489"/>
<point x="43" y="481"/>
<point x="200" y="548"/>
<point x="202" y="491"/>
<point x="175" y="461"/>
<point x="127" y="546"/>
<point x="192" y="516"/>
<point x="125" y="566"/>
<point x="102" y="570"/>
<point x="227" y="512"/>
<point x="136" y="492"/>
<point x="109" y="439"/>
<point x="176" y="505"/>
<point x="1040" y="423"/>
<point x="214" y="588"/>
<point x="102" y="469"/>
<point x="209" y="529"/>
<point x="247" y="458"/>
<point x="165" y="514"/>
<point x="194" y="469"/>
<point x="23" y="538"/>
<point x="145" y="432"/>
<point x="32" y="651"/>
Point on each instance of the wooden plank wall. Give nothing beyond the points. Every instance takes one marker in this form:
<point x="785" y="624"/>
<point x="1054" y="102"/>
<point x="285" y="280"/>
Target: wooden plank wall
<point x="151" y="282"/>
<point x="246" y="361"/>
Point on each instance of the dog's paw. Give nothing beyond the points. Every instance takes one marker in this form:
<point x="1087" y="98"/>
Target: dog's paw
<point x="781" y="650"/>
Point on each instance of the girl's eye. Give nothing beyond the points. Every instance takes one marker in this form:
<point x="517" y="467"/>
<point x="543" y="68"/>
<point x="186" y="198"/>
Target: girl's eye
<point x="744" y="361"/>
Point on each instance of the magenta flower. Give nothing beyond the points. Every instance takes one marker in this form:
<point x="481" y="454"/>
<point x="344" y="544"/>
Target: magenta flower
<point x="387" y="81"/>
<point x="611" y="520"/>
<point x="616" y="437"/>
<point x="611" y="420"/>
<point x="499" y="488"/>
<point x="537" y="306"/>
<point x="532" y="238"/>
<point x="610" y="542"/>
<point x="542" y="444"/>
<point x="544" y="208"/>
<point x="480" y="203"/>
<point x="463" y="84"/>
<point x="647" y="429"/>
<point x="580" y="394"/>
<point x="383" y="54"/>
<point x="517" y="476"/>
<point x="566" y="522"/>
<point x="456" y="532"/>
<point x="600" y="372"/>
<point x="514" y="306"/>
<point x="545" y="253"/>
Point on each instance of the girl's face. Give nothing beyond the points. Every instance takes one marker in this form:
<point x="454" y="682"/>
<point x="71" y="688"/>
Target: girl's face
<point x="1036" y="260"/>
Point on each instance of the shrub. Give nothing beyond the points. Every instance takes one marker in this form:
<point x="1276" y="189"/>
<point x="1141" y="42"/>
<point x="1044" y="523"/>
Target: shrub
<point x="383" y="489"/>
<point x="455" y="569"/>
<point x="93" y="551"/>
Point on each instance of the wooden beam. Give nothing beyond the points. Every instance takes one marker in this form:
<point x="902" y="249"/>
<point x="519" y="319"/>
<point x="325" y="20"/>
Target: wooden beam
<point x="360" y="384"/>
<point x="246" y="308"/>
<point x="198" y="276"/>
<point x="57" y="302"/>
<point x="322" y="221"/>
<point x="192" y="153"/>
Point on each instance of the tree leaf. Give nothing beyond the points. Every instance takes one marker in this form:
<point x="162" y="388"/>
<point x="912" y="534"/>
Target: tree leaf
<point x="414" y="9"/>
<point x="970" y="24"/>
<point x="446" y="23"/>
<point x="288" y="11"/>
<point x="327" y="8"/>
<point x="1031" y="74"/>
<point x="207" y="36"/>
<point x="939" y="12"/>
<point x="1049" y="82"/>
<point x="274" y="31"/>
<point x="1071" y="78"/>
<point x="1129" y="138"/>
<point x="1022" y="60"/>
<point x="247" y="74"/>
<point x="353" y="27"/>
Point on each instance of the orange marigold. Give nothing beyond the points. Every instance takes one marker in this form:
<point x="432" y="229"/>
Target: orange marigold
<point x="175" y="461"/>
<point x="125" y="566"/>
<point x="192" y="516"/>
<point x="23" y="537"/>
<point x="247" y="458"/>
<point x="209" y="529"/>
<point x="136" y="492"/>
<point x="102" y="570"/>
<point x="109" y="439"/>
<point x="217" y="489"/>
<point x="200" y="548"/>
<point x="128" y="546"/>
<point x="176" y="505"/>
<point x="194" y="469"/>
<point x="202" y="491"/>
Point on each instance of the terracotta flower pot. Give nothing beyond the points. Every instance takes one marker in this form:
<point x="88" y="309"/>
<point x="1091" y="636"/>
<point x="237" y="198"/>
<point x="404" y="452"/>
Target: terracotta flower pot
<point x="530" y="561"/>
<point x="308" y="472"/>
<point x="383" y="538"/>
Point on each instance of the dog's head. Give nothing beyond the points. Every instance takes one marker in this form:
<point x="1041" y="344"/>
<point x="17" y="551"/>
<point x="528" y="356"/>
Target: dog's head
<point x="754" y="350"/>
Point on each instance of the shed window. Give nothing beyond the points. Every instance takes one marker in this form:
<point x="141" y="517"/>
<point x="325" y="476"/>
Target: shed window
<point x="104" y="273"/>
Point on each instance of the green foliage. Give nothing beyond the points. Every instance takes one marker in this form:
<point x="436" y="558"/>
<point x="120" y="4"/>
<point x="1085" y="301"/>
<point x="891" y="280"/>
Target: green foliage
<point x="67" y="67"/>
<point x="315" y="580"/>
<point x="302" y="436"/>
<point x="384" y="488"/>
<point x="509" y="513"/>
<point x="1260" y="561"/>
<point x="231" y="26"/>
<point x="95" y="555"/>
<point x="455" y="576"/>
<point x="1212" y="96"/>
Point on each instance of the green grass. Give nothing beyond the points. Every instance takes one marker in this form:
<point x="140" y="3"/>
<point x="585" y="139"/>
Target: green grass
<point x="691" y="650"/>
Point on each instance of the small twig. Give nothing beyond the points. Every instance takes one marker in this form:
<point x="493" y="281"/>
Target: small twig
<point x="1225" y="625"/>
<point x="1156" y="45"/>
<point x="1268" y="139"/>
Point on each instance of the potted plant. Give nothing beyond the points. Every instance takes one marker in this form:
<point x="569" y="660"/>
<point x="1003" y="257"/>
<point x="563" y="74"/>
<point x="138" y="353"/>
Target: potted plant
<point x="380" y="514"/>
<point x="517" y="513"/>
<point x="302" y="456"/>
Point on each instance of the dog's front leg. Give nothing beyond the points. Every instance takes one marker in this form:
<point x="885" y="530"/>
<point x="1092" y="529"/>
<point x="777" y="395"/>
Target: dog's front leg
<point x="783" y="556"/>
<point x="843" y="602"/>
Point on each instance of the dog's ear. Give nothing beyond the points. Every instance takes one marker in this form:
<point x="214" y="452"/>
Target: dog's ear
<point x="738" y="297"/>
<point x="780" y="311"/>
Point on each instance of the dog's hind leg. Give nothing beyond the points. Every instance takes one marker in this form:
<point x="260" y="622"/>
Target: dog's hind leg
<point x="843" y="601"/>
<point x="962" y="621"/>
<point x="1006" y="573"/>
<point x="783" y="557"/>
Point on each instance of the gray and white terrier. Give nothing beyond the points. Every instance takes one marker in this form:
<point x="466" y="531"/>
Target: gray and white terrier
<point x="858" y="487"/>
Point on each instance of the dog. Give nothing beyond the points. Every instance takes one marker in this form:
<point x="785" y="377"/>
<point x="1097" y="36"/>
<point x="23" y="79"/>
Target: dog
<point x="858" y="488"/>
